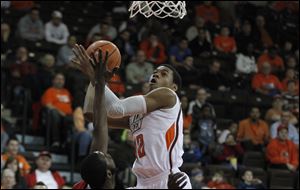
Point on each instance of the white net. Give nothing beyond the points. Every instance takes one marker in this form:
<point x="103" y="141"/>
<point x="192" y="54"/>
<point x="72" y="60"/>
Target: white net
<point x="160" y="9"/>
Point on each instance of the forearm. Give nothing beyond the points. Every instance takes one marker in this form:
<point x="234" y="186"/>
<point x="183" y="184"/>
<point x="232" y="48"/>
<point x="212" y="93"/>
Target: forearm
<point x="100" y="133"/>
<point x="115" y="107"/>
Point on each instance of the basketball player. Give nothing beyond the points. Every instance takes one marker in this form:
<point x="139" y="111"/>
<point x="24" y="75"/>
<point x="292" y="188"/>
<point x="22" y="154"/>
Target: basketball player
<point x="97" y="169"/>
<point x="155" y="120"/>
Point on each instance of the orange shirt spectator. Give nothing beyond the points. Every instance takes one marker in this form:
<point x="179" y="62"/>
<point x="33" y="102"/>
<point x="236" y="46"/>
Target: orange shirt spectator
<point x="276" y="62"/>
<point x="225" y="43"/>
<point x="116" y="85"/>
<point x="154" y="50"/>
<point x="208" y="12"/>
<point x="24" y="165"/>
<point x="266" y="83"/>
<point x="13" y="151"/>
<point x="218" y="182"/>
<point x="22" y="5"/>
<point x="283" y="151"/>
<point x="261" y="81"/>
<point x="59" y="98"/>
<point x="257" y="132"/>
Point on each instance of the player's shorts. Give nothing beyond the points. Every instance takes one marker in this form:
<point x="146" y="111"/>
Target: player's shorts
<point x="159" y="181"/>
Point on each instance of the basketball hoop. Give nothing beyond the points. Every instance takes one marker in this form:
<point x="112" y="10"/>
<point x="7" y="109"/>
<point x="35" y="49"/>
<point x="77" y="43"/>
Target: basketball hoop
<point x="160" y="9"/>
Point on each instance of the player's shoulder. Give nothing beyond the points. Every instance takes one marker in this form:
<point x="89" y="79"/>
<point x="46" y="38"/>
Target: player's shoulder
<point x="164" y="91"/>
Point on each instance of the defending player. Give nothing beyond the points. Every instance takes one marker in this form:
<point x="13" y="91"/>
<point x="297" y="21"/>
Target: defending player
<point x="97" y="169"/>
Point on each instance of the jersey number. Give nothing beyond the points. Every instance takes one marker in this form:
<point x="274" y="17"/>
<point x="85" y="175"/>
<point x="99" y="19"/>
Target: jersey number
<point x="140" y="146"/>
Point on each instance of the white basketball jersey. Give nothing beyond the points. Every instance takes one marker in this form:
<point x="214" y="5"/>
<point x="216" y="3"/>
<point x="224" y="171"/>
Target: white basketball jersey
<point x="159" y="140"/>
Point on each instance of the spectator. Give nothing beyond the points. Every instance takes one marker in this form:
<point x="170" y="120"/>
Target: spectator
<point x="21" y="67"/>
<point x="245" y="37"/>
<point x="273" y="58"/>
<point x="218" y="182"/>
<point x="43" y="76"/>
<point x="287" y="50"/>
<point x="57" y="100"/>
<point x="13" y="164"/>
<point x="55" y="30"/>
<point x="200" y="45"/>
<point x="7" y="40"/>
<point x="105" y="28"/>
<point x="208" y="12"/>
<point x="290" y="75"/>
<point x="52" y="179"/>
<point x="139" y="72"/>
<point x="197" y="178"/>
<point x="214" y="79"/>
<point x="281" y="152"/>
<point x="179" y="52"/>
<point x="13" y="151"/>
<point x="203" y="129"/>
<point x="8" y="180"/>
<point x="187" y="118"/>
<point x="117" y="85"/>
<point x="274" y="114"/>
<point x="245" y="61"/>
<point x="265" y="38"/>
<point x="126" y="45"/>
<point x="30" y="27"/>
<point x="193" y="31"/>
<point x="248" y="182"/>
<point x="293" y="134"/>
<point x="65" y="53"/>
<point x="292" y="90"/>
<point x="192" y="152"/>
<point x="253" y="132"/>
<point x="82" y="136"/>
<point x="292" y="63"/>
<point x="224" y="43"/>
<point x="232" y="129"/>
<point x="232" y="150"/>
<point x="195" y="105"/>
<point x="265" y="83"/>
<point x="103" y="31"/>
<point x="154" y="49"/>
<point x="189" y="73"/>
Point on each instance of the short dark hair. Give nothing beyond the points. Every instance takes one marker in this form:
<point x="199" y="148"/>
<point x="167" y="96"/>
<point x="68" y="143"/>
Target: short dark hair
<point x="176" y="76"/>
<point x="93" y="170"/>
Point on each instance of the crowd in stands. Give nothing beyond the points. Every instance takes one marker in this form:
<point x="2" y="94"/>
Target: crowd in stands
<point x="225" y="52"/>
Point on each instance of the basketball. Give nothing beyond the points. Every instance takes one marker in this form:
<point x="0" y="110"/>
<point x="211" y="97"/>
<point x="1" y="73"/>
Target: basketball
<point x="114" y="55"/>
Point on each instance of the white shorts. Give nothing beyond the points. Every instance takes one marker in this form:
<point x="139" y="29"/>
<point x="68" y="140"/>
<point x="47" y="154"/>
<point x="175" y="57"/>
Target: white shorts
<point x="159" y="181"/>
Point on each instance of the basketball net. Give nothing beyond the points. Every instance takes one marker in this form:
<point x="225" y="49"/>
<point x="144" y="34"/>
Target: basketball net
<point x="160" y="9"/>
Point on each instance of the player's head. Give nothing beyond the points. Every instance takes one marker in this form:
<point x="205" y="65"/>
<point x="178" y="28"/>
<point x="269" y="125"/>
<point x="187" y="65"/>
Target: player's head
<point x="97" y="170"/>
<point x="165" y="76"/>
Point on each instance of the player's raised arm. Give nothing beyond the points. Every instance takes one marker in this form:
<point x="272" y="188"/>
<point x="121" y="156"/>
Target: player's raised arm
<point x="100" y="133"/>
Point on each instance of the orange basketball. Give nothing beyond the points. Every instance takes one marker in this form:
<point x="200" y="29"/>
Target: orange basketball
<point x="114" y="55"/>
